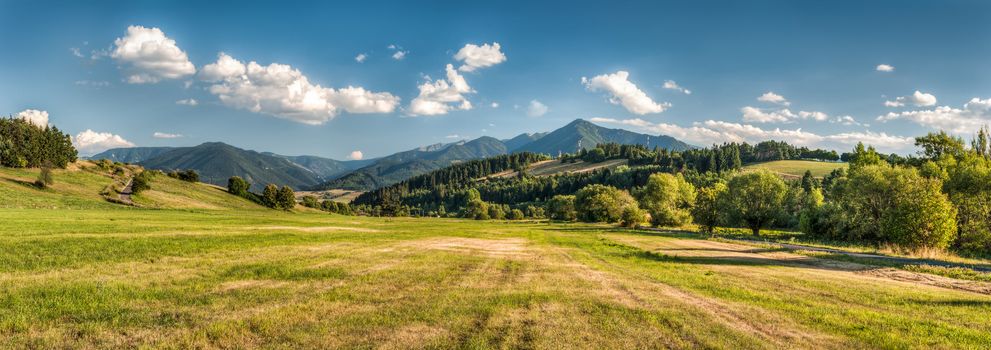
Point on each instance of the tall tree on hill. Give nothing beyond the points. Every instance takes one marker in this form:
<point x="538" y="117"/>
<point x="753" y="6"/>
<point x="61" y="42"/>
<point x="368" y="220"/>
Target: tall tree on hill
<point x="270" y="196"/>
<point x="285" y="198"/>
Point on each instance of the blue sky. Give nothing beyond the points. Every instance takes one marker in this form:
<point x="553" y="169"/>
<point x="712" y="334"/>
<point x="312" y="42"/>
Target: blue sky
<point x="817" y="64"/>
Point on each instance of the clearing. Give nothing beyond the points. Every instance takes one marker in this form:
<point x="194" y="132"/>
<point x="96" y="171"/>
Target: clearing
<point x="796" y="168"/>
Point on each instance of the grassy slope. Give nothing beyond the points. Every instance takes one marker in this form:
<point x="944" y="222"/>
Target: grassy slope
<point x="77" y="188"/>
<point x="168" y="278"/>
<point x="797" y="168"/>
<point x="167" y="192"/>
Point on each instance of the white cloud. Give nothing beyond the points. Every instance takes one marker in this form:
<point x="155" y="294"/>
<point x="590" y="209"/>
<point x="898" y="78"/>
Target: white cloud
<point x="847" y="120"/>
<point x="962" y="121"/>
<point x="623" y="92"/>
<point x="441" y="96"/>
<point x="150" y="56"/>
<point x="90" y="142"/>
<point x="283" y="91"/>
<point x="34" y="116"/>
<point x="494" y="105"/>
<point x="164" y="135"/>
<point x="452" y="136"/>
<point x="536" y="109"/>
<point x="75" y="52"/>
<point x="773" y="98"/>
<point x="784" y="115"/>
<point x="92" y="83"/>
<point x="187" y="102"/>
<point x="885" y="68"/>
<point x="671" y="85"/>
<point x="399" y="55"/>
<point x="712" y="131"/>
<point x="918" y="98"/>
<point x="475" y="57"/>
<point x="360" y="58"/>
<point x="356" y="155"/>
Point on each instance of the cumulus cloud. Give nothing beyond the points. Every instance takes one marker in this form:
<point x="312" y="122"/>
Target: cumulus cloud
<point x="536" y="109"/>
<point x="784" y="115"/>
<point x="774" y="98"/>
<point x="360" y="58"/>
<point x="148" y="56"/>
<point x="712" y="131"/>
<point x="164" y="135"/>
<point x="963" y="121"/>
<point x="846" y="120"/>
<point x="34" y="116"/>
<point x="283" y="91"/>
<point x="918" y="98"/>
<point x="885" y="68"/>
<point x="399" y="55"/>
<point x="671" y="85"/>
<point x="356" y="155"/>
<point x="494" y="105"/>
<point x="442" y="95"/>
<point x="475" y="57"/>
<point x="624" y="92"/>
<point x="91" y="142"/>
<point x="187" y="102"/>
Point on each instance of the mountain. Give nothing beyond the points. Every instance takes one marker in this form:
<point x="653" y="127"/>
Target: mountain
<point x="403" y="165"/>
<point x="584" y="134"/>
<point x="324" y="168"/>
<point x="217" y="161"/>
<point x="132" y="154"/>
<point x="522" y="139"/>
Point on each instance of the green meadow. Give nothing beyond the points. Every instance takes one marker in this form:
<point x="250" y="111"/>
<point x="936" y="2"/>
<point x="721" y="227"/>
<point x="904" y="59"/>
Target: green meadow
<point x="196" y="268"/>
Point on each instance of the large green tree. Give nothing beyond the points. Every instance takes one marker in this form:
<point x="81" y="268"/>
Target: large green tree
<point x="601" y="203"/>
<point x="754" y="199"/>
<point x="707" y="212"/>
<point x="668" y="199"/>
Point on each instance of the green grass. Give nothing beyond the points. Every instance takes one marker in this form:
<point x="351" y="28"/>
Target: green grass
<point x="197" y="269"/>
<point x="796" y="168"/>
<point x="263" y="278"/>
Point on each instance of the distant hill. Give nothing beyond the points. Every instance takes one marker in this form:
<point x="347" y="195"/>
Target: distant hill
<point x="131" y="154"/>
<point x="584" y="134"/>
<point x="403" y="165"/>
<point x="325" y="168"/>
<point x="522" y="139"/>
<point x="216" y="162"/>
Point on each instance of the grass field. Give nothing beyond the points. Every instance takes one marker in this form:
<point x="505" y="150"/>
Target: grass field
<point x="175" y="275"/>
<point x="796" y="168"/>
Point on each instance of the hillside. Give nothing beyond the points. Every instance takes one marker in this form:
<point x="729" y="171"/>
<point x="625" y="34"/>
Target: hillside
<point x="216" y="162"/>
<point x="584" y="134"/>
<point x="522" y="139"/>
<point x="131" y="154"/>
<point x="82" y="185"/>
<point x="796" y="168"/>
<point x="324" y="168"/>
<point x="404" y="165"/>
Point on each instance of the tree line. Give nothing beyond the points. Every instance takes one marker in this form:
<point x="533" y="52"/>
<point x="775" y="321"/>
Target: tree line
<point x="23" y="144"/>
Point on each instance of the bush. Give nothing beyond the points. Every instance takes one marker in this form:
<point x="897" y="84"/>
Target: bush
<point x="270" y="196"/>
<point x="286" y="198"/>
<point x="311" y="201"/>
<point x="668" y="199"/>
<point x="496" y="212"/>
<point x="515" y="214"/>
<point x="237" y="186"/>
<point x="600" y="203"/>
<point x="562" y="208"/>
<point x="142" y="182"/>
<point x="188" y="175"/>
<point x="44" y="176"/>
<point x="633" y="217"/>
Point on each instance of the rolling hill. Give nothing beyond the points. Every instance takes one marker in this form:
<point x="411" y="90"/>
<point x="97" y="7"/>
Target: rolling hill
<point x="584" y="134"/>
<point x="403" y="165"/>
<point x="131" y="154"/>
<point x="216" y="162"/>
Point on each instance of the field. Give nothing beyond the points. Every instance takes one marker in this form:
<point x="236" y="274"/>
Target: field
<point x="796" y="168"/>
<point x="555" y="167"/>
<point x="195" y="269"/>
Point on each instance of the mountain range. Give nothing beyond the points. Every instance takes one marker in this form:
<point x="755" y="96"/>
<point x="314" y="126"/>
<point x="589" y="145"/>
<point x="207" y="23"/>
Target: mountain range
<point x="216" y="161"/>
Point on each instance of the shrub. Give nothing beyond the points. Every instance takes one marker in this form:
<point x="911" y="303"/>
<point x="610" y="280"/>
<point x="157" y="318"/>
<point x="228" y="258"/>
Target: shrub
<point x="633" y="216"/>
<point x="270" y="196"/>
<point x="141" y="182"/>
<point x="286" y="198"/>
<point x="237" y="186"/>
<point x="44" y="176"/>
<point x="562" y="208"/>
<point x="515" y="214"/>
<point x="668" y="199"/>
<point x="311" y="201"/>
<point x="600" y="203"/>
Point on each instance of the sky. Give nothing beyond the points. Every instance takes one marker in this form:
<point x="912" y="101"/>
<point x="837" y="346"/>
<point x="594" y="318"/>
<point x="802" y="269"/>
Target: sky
<point x="363" y="79"/>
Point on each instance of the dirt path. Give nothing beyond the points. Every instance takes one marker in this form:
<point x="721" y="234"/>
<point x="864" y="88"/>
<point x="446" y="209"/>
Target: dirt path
<point x="125" y="194"/>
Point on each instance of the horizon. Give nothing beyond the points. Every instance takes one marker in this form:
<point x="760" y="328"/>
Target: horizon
<point x="367" y="80"/>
